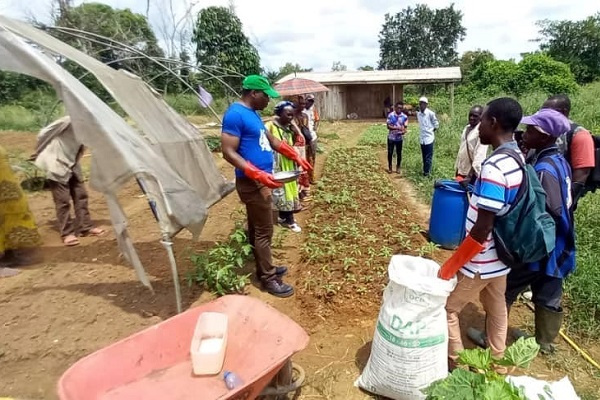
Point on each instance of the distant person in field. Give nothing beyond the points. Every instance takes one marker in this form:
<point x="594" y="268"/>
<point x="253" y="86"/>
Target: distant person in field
<point x="286" y="199"/>
<point x="577" y="146"/>
<point x="481" y="273"/>
<point x="428" y="125"/>
<point x="314" y="120"/>
<point x="59" y="153"/>
<point x="387" y="106"/>
<point x="397" y="123"/>
<point x="248" y="146"/>
<point x="471" y="152"/>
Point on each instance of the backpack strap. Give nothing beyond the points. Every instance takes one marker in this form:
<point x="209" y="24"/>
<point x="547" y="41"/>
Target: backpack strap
<point x="524" y="182"/>
<point x="570" y="240"/>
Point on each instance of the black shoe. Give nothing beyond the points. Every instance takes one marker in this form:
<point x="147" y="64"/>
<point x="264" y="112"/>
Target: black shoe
<point x="277" y="288"/>
<point x="281" y="271"/>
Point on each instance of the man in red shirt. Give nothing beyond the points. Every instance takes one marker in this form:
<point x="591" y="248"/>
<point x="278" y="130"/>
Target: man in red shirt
<point x="581" y="151"/>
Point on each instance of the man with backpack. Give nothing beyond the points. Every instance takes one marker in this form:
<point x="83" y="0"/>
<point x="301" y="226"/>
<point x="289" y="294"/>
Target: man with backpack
<point x="546" y="276"/>
<point x="482" y="273"/>
<point x="578" y="148"/>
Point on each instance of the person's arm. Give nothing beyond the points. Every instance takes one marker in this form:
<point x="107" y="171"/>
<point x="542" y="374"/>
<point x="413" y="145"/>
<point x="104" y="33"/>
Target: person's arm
<point x="583" y="160"/>
<point x="288" y="151"/>
<point x="479" y="156"/>
<point x="553" y="193"/>
<point x="391" y="125"/>
<point x="435" y="121"/>
<point x="317" y="118"/>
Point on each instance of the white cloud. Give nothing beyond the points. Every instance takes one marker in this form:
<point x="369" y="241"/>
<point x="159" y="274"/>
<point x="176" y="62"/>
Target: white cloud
<point x="315" y="33"/>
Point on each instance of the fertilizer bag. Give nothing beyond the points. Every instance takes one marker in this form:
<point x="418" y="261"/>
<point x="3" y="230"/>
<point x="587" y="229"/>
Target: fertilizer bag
<point x="410" y="344"/>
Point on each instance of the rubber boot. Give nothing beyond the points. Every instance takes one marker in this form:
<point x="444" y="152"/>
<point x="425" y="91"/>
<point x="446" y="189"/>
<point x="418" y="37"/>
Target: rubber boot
<point x="547" y="326"/>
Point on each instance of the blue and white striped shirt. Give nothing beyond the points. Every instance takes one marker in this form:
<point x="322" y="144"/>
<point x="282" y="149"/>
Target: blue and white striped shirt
<point x="495" y="191"/>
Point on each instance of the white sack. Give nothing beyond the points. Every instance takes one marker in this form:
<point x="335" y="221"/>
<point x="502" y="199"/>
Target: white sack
<point x="410" y="344"/>
<point x="536" y="389"/>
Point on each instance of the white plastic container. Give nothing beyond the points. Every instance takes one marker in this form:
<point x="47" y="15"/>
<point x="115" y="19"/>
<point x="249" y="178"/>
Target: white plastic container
<point x="209" y="343"/>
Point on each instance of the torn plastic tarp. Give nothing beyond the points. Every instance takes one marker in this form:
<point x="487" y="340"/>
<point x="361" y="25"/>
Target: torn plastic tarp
<point x="164" y="151"/>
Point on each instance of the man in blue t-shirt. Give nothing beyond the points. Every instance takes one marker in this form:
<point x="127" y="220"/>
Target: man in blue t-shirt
<point x="248" y="146"/>
<point x="397" y="122"/>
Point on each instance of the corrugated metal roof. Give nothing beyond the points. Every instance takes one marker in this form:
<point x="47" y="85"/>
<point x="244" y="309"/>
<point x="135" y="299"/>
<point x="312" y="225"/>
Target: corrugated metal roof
<point x="423" y="75"/>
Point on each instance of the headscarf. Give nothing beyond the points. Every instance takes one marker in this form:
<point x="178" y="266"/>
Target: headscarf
<point x="281" y="105"/>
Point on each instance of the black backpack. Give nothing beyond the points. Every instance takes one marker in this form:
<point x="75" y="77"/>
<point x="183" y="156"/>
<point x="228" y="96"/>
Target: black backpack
<point x="593" y="181"/>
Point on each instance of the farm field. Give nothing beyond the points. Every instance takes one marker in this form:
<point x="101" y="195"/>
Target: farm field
<point x="73" y="302"/>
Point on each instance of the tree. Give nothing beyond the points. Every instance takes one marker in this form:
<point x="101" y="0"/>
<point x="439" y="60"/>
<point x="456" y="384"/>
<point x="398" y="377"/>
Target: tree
<point x="122" y="26"/>
<point x="221" y="42"/>
<point x="535" y="72"/>
<point x="471" y="60"/>
<point x="576" y="43"/>
<point x="366" y="68"/>
<point x="420" y="37"/>
<point x="338" y="66"/>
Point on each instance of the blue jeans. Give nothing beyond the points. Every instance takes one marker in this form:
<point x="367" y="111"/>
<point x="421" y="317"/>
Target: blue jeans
<point x="427" y="152"/>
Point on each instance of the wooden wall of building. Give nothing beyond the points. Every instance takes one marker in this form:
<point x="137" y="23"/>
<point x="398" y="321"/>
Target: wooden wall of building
<point x="332" y="104"/>
<point x="364" y="100"/>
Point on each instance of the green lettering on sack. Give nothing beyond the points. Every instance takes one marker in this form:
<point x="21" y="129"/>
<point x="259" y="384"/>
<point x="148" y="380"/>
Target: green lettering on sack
<point x="409" y="343"/>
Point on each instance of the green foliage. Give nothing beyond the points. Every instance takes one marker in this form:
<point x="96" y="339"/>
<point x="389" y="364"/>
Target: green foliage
<point x="217" y="269"/>
<point x="31" y="112"/>
<point x="213" y="142"/>
<point x="535" y="72"/>
<point x="338" y="66"/>
<point x="120" y="25"/>
<point x="420" y="37"/>
<point x="374" y="136"/>
<point x="13" y="86"/>
<point x="576" y="43"/>
<point x="485" y="383"/>
<point x="221" y="42"/>
<point x="366" y="68"/>
<point x="288" y="68"/>
<point x="471" y="60"/>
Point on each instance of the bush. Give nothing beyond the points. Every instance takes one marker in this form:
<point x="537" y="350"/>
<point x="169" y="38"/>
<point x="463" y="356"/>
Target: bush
<point x="535" y="72"/>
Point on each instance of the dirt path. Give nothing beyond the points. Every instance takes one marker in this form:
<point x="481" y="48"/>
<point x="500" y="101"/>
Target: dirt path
<point x="72" y="302"/>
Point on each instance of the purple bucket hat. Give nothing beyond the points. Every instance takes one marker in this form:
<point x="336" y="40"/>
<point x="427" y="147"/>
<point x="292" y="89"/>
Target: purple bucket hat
<point x="549" y="121"/>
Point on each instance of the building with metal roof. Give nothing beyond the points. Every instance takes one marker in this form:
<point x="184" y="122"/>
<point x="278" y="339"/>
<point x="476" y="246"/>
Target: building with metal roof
<point x="362" y="93"/>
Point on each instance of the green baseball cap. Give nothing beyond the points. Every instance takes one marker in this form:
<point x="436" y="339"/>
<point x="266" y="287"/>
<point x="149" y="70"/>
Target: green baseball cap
<point x="257" y="82"/>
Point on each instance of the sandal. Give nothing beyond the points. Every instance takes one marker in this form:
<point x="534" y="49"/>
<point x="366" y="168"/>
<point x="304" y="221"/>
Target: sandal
<point x="94" y="232"/>
<point x="70" y="241"/>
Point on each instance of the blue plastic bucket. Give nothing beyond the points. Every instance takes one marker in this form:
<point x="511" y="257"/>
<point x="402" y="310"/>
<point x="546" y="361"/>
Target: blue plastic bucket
<point x="448" y="214"/>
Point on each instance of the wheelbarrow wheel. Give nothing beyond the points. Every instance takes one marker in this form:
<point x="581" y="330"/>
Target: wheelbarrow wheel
<point x="279" y="392"/>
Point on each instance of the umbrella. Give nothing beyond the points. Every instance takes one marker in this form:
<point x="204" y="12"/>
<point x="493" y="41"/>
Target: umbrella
<point x="296" y="86"/>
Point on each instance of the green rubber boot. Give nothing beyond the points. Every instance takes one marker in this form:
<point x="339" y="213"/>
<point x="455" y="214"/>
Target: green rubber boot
<point x="547" y="326"/>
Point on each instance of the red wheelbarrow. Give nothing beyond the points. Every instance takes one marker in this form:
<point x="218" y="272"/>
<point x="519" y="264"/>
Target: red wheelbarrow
<point x="155" y="363"/>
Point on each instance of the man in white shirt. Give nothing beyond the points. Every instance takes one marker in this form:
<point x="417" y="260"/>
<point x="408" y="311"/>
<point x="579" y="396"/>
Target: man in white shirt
<point x="471" y="153"/>
<point x="428" y="124"/>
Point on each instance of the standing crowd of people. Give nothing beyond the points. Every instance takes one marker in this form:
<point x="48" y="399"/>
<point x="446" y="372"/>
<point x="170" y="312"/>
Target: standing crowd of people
<point x="500" y="183"/>
<point x="258" y="151"/>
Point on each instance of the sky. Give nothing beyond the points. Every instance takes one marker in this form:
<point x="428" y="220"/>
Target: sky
<point x="317" y="33"/>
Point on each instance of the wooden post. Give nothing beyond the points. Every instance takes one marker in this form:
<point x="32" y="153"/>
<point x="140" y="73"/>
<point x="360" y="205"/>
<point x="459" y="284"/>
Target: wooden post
<point x="393" y="95"/>
<point x="452" y="100"/>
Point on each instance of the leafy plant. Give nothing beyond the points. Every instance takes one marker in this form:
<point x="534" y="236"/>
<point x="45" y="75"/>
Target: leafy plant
<point x="481" y="381"/>
<point x="218" y="268"/>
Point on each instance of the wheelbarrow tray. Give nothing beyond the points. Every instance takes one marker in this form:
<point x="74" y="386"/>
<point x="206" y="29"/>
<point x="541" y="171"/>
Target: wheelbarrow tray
<point x="155" y="363"/>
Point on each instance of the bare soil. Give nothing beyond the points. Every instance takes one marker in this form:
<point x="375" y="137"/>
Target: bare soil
<point x="72" y="301"/>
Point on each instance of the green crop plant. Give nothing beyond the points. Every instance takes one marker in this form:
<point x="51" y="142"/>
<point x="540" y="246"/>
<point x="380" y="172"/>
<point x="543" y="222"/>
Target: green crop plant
<point x="218" y="268"/>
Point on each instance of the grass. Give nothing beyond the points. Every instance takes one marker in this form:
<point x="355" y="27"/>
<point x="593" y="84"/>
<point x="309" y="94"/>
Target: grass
<point x="582" y="288"/>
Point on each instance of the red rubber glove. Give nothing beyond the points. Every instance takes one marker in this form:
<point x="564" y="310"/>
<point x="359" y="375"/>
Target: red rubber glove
<point x="290" y="153"/>
<point x="468" y="249"/>
<point x="261" y="176"/>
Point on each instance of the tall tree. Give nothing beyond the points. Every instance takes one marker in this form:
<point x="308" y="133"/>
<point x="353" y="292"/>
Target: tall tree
<point x="576" y="43"/>
<point x="420" y="37"/>
<point x="220" y="41"/>
<point x="119" y="25"/>
<point x="338" y="66"/>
